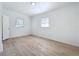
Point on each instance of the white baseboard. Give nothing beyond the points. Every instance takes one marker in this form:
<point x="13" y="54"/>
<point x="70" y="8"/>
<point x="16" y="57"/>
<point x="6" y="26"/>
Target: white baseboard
<point x="56" y="40"/>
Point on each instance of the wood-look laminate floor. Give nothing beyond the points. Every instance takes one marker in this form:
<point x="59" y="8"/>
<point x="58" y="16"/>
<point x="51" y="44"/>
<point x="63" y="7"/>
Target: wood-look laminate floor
<point x="35" y="46"/>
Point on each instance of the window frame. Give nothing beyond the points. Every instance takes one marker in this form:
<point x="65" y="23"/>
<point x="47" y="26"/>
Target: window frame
<point x="20" y="25"/>
<point x="48" y="22"/>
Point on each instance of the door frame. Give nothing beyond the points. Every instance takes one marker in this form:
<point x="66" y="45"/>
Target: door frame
<point x="3" y="27"/>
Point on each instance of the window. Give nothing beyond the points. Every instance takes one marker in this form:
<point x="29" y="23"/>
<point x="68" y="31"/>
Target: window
<point x="45" y="22"/>
<point x="20" y="23"/>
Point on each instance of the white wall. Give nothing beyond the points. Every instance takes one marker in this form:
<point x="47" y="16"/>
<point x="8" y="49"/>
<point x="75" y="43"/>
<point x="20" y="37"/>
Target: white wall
<point x="1" y="46"/>
<point x="64" y="25"/>
<point x="16" y="32"/>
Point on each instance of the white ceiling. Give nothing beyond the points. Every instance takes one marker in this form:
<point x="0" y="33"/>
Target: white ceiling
<point x="27" y="8"/>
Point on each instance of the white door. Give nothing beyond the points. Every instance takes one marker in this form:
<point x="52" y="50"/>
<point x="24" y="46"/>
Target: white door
<point x="5" y="27"/>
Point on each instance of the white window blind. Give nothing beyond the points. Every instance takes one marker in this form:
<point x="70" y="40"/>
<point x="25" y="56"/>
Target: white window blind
<point x="20" y="23"/>
<point x="45" y="22"/>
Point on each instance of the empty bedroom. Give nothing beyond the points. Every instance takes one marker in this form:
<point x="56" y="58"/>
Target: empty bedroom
<point x="39" y="28"/>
